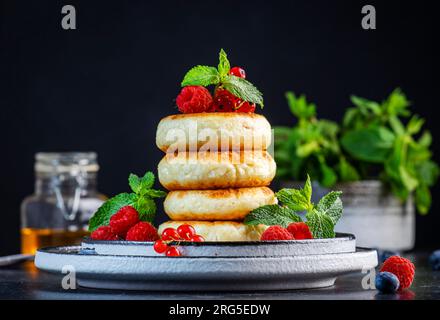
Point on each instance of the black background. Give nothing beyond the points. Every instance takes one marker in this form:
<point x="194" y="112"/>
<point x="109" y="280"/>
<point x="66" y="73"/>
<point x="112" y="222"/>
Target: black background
<point x="105" y="86"/>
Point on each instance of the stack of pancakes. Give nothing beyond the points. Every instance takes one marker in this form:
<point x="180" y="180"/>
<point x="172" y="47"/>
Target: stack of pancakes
<point x="217" y="170"/>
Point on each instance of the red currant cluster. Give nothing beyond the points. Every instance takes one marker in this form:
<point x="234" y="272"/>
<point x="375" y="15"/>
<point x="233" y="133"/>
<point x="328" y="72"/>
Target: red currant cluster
<point x="184" y="232"/>
<point x="224" y="101"/>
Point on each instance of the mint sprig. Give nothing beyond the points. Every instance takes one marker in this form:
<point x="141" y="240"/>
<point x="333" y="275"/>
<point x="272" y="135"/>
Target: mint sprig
<point x="142" y="199"/>
<point x="321" y="218"/>
<point x="220" y="77"/>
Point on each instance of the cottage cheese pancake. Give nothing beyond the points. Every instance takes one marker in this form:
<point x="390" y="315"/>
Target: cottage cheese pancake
<point x="198" y="171"/>
<point x="224" y="130"/>
<point x="220" y="204"/>
<point x="220" y="230"/>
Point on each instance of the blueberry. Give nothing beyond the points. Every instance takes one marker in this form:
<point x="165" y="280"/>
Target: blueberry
<point x="387" y="282"/>
<point x="385" y="254"/>
<point x="434" y="260"/>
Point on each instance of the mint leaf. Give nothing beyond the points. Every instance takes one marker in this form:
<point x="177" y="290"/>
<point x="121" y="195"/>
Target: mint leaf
<point x="146" y="208"/>
<point x="109" y="208"/>
<point x="320" y="224"/>
<point x="331" y="205"/>
<point x="223" y="65"/>
<point x="372" y="144"/>
<point x="272" y="215"/>
<point x="155" y="193"/>
<point x="297" y="199"/>
<point x="201" y="76"/>
<point x="141" y="185"/>
<point x="243" y="89"/>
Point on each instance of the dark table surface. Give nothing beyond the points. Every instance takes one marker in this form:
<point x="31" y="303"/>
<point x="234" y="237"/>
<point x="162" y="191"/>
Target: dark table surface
<point x="26" y="282"/>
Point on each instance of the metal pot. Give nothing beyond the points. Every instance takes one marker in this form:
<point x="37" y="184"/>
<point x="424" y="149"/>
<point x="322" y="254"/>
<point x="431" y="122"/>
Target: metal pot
<point x="375" y="216"/>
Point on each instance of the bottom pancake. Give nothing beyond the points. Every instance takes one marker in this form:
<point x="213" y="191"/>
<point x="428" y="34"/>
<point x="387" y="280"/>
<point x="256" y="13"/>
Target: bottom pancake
<point x="220" y="204"/>
<point x="220" y="230"/>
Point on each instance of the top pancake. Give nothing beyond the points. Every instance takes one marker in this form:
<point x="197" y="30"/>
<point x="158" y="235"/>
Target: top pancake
<point x="224" y="130"/>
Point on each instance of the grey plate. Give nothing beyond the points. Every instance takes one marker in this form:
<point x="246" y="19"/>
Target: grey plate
<point x="161" y="273"/>
<point x="342" y="243"/>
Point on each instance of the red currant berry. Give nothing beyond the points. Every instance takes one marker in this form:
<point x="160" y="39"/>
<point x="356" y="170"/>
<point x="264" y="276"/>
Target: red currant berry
<point x="160" y="246"/>
<point x="172" y="252"/>
<point x="197" y="238"/>
<point x="238" y="72"/>
<point x="186" y="231"/>
<point x="170" y="234"/>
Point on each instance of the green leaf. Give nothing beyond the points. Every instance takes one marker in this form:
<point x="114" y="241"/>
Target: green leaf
<point x="425" y="140"/>
<point x="272" y="215"/>
<point x="427" y="172"/>
<point x="328" y="175"/>
<point x="141" y="185"/>
<point x="146" y="208"/>
<point x="396" y="104"/>
<point x="423" y="199"/>
<point x="365" y="105"/>
<point x="347" y="172"/>
<point x="297" y="199"/>
<point x="109" y="208"/>
<point x="408" y="179"/>
<point x="223" y="65"/>
<point x="331" y="205"/>
<point x="201" y="76"/>
<point x="299" y="106"/>
<point x="370" y="144"/>
<point x="155" y="193"/>
<point x="243" y="89"/>
<point x="414" y="125"/>
<point x="320" y="224"/>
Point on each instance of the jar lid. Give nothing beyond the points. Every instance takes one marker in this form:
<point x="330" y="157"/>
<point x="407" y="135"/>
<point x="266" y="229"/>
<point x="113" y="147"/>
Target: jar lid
<point x="64" y="162"/>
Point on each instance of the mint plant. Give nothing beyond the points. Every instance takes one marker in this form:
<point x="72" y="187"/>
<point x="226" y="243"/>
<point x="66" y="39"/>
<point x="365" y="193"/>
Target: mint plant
<point x="321" y="218"/>
<point x="312" y="146"/>
<point x="375" y="136"/>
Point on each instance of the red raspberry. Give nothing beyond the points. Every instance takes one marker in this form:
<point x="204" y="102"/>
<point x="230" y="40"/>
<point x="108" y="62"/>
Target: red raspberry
<point x="103" y="233"/>
<point x="194" y="99"/>
<point x="224" y="101"/>
<point x="300" y="230"/>
<point x="276" y="233"/>
<point x="402" y="268"/>
<point x="123" y="220"/>
<point x="238" y="72"/>
<point x="142" y="231"/>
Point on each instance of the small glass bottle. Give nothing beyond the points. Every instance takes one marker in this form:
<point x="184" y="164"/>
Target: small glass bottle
<point x="65" y="198"/>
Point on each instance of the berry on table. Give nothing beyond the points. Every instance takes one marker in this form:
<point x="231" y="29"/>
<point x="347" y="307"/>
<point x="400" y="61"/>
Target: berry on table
<point x="434" y="260"/>
<point x="186" y="231"/>
<point x="194" y="99"/>
<point x="276" y="233"/>
<point x="160" y="246"/>
<point x="172" y="252"/>
<point x="170" y="234"/>
<point x="123" y="220"/>
<point x="197" y="238"/>
<point x="300" y="230"/>
<point x="142" y="231"/>
<point x="387" y="282"/>
<point x="238" y="72"/>
<point x="402" y="268"/>
<point x="104" y="233"/>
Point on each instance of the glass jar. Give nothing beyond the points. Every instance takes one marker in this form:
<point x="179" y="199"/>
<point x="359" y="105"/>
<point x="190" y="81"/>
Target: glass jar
<point x="64" y="200"/>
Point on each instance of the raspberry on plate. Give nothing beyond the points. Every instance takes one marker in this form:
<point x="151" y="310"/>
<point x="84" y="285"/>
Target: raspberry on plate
<point x="276" y="233"/>
<point x="142" y="231"/>
<point x="194" y="99"/>
<point x="402" y="268"/>
<point x="300" y="231"/>
<point x="104" y="233"/>
<point x="123" y="220"/>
